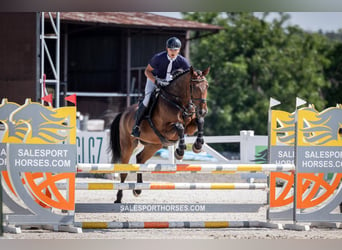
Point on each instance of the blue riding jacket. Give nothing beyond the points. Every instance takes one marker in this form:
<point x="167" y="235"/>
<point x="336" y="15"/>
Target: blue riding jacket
<point x="159" y="63"/>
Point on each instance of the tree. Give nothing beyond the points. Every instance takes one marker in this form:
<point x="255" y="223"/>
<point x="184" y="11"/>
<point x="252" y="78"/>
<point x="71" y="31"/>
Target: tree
<point x="333" y="73"/>
<point x="252" y="60"/>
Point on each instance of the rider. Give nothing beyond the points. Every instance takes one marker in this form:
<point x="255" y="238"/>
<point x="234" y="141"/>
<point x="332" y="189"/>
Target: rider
<point x="158" y="72"/>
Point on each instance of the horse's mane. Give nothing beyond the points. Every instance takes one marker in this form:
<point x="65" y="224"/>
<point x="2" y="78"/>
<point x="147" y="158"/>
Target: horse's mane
<point x="178" y="74"/>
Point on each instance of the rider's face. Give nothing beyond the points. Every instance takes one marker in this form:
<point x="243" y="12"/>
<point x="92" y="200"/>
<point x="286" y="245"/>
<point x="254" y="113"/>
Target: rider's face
<point x="172" y="52"/>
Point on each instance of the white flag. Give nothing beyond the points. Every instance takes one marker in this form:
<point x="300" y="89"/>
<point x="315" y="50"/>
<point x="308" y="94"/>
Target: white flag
<point x="274" y="102"/>
<point x="299" y="102"/>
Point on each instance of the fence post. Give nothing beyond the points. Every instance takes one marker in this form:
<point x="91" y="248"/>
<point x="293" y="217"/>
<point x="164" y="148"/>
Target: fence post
<point x="244" y="144"/>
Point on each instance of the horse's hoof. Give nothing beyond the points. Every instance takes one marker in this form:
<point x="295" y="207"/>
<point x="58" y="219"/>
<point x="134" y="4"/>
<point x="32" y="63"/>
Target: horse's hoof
<point x="178" y="156"/>
<point x="117" y="201"/>
<point x="136" y="193"/>
<point x="196" y="150"/>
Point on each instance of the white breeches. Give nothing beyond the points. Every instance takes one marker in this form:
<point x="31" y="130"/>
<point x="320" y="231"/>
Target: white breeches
<point x="149" y="88"/>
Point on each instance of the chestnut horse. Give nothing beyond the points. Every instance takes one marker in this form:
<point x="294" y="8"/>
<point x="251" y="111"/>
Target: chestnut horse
<point x="176" y="109"/>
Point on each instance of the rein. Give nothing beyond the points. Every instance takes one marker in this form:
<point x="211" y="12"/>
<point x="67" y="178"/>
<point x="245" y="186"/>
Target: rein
<point x="192" y="108"/>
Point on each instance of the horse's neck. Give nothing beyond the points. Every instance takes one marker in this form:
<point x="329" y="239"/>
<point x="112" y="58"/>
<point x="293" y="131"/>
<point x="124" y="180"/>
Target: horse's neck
<point x="180" y="87"/>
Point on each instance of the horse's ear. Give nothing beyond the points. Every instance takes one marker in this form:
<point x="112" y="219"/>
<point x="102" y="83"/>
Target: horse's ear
<point x="206" y="71"/>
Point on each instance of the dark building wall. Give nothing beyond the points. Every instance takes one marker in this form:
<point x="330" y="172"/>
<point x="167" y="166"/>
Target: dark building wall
<point x="18" y="56"/>
<point x="97" y="60"/>
<point x="93" y="59"/>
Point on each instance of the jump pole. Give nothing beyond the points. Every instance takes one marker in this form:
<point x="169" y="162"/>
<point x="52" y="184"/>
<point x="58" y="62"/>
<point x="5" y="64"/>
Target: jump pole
<point x="176" y="224"/>
<point x="164" y="186"/>
<point x="182" y="168"/>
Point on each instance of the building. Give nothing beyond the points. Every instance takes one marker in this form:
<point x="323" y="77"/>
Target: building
<point x="102" y="55"/>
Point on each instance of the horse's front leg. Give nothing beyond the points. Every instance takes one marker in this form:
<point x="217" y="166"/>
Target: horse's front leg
<point x="197" y="146"/>
<point x="179" y="152"/>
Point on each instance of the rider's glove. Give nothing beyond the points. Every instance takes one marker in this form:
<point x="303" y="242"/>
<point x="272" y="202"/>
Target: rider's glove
<point x="162" y="83"/>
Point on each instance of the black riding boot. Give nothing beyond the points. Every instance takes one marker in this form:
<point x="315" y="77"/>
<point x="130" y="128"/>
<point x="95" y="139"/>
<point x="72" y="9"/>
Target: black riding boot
<point x="138" y="118"/>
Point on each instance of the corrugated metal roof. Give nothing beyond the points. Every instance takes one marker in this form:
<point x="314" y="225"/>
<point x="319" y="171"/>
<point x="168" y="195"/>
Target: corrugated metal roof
<point x="135" y="19"/>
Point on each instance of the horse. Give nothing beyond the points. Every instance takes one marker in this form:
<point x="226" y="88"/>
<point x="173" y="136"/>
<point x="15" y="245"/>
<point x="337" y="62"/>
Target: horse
<point x="175" y="110"/>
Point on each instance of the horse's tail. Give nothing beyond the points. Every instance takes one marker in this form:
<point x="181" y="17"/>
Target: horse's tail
<point x="115" y="139"/>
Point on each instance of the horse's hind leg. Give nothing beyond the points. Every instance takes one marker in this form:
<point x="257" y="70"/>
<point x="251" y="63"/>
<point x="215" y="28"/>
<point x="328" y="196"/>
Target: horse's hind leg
<point x="148" y="151"/>
<point x="129" y="147"/>
<point x="119" y="193"/>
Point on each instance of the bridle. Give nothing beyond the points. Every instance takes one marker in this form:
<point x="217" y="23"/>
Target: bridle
<point x="189" y="109"/>
<point x="201" y="101"/>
